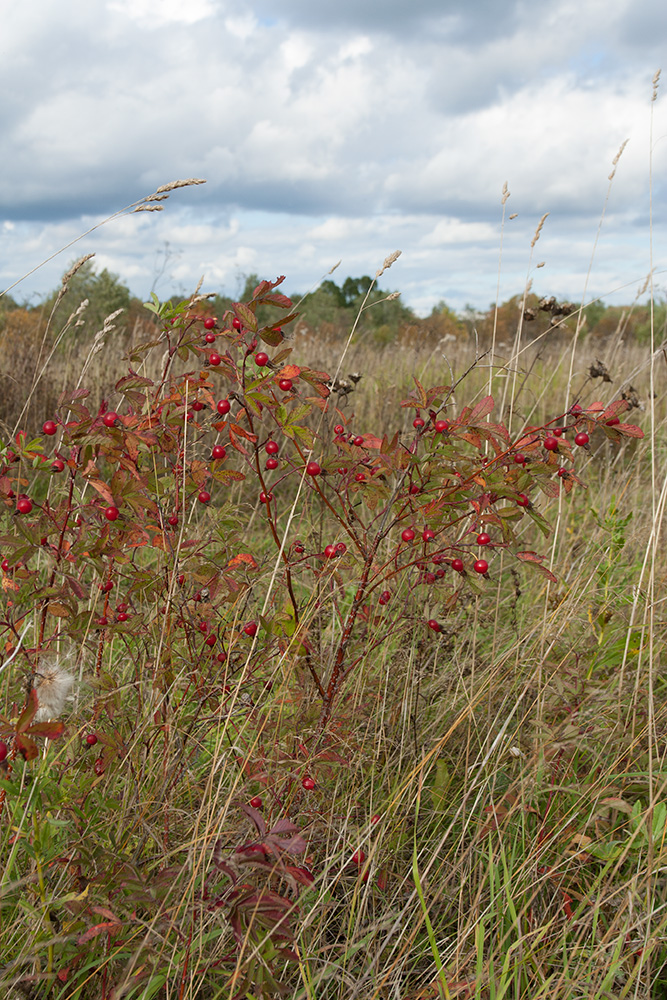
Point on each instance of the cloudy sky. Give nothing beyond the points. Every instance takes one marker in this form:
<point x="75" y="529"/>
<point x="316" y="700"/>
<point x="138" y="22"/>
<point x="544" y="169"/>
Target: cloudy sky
<point x="333" y="131"/>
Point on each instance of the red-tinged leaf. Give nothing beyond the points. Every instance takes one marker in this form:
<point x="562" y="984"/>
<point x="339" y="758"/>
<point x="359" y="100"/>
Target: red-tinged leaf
<point x="256" y="816"/>
<point x="594" y="408"/>
<point x="199" y="472"/>
<point x="421" y="392"/>
<point x="613" y="410"/>
<point x="284" y="826"/>
<point x="242" y="432"/>
<point x="301" y="875"/>
<point x="226" y="476"/>
<point x="246" y="315"/>
<point x="72" y="395"/>
<point x="137" y="538"/>
<point x="104" y="911"/>
<point x="242" y="559"/>
<point x="103" y="489"/>
<point x="535" y="560"/>
<point x="289" y="371"/>
<point x="110" y="927"/>
<point x="28" y="713"/>
<point x="49" y="730"/>
<point x="26" y="747"/>
<point x="482" y="409"/>
<point x="76" y="588"/>
<point x="277" y="299"/>
<point x="265" y="286"/>
<point x="629" y="430"/>
<point x="550" y="488"/>
<point x="133" y="381"/>
<point x="387" y="446"/>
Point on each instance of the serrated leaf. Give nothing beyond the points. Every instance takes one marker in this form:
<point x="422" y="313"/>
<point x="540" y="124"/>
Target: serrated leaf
<point x="246" y="315"/>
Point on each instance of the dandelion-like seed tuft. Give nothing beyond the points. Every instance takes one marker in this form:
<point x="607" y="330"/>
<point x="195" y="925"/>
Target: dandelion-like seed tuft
<point x="53" y="684"/>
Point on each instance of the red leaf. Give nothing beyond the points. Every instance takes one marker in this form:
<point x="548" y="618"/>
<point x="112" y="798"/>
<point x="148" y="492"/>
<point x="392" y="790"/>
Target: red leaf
<point x="482" y="409"/>
<point x="112" y="926"/>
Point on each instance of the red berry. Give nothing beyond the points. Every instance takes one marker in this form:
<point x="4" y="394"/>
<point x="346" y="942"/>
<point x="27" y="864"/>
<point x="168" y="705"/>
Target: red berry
<point x="204" y="496"/>
<point x="313" y="469"/>
<point x="285" y="384"/>
<point x="91" y="739"/>
<point x="107" y="587"/>
<point x="385" y="597"/>
<point x="613" y="421"/>
<point x="271" y="448"/>
<point x="210" y="640"/>
<point x="261" y="359"/>
<point x="251" y="629"/>
<point x="4" y="566"/>
<point x="407" y="535"/>
<point x="522" y="500"/>
<point x="265" y="497"/>
<point x="358" y="440"/>
<point x="417" y="423"/>
<point x="98" y="766"/>
<point x="441" y="426"/>
<point x="358" y="857"/>
<point x="457" y="565"/>
<point x="562" y="472"/>
<point x="221" y="657"/>
<point x="3" y="750"/>
<point x="520" y="459"/>
<point x="330" y="551"/>
<point x="434" y="625"/>
<point x="581" y="438"/>
<point x="122" y="617"/>
<point x="338" y="429"/>
<point x="24" y="505"/>
<point x="551" y="443"/>
<point x="218" y="452"/>
<point x="49" y="427"/>
<point x="341" y="548"/>
<point x="197" y="405"/>
<point x="181" y="579"/>
<point x="209" y="338"/>
<point x="214" y="359"/>
<point x="414" y="490"/>
<point x="256" y="802"/>
<point x="481" y="566"/>
<point x="483" y="538"/>
<point x="236" y="323"/>
<point x="575" y="408"/>
<point x="298" y="548"/>
<point x="375" y="818"/>
<point x="109" y="419"/>
<point x="359" y="477"/>
<point x="342" y="470"/>
<point x="271" y="463"/>
<point x="111" y="513"/>
<point x="428" y="535"/>
<point x="209" y="323"/>
<point x="308" y="783"/>
<point x="557" y="432"/>
<point x="223" y="406"/>
<point x="122" y="607"/>
<point x="57" y="465"/>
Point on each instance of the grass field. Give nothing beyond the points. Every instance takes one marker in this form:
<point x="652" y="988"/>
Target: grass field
<point x="274" y="745"/>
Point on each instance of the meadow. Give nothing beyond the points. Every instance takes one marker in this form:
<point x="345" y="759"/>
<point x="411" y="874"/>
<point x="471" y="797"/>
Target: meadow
<point x="332" y="667"/>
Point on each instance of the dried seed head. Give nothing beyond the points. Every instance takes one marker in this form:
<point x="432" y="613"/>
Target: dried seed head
<point x="539" y="229"/>
<point x="655" y="82"/>
<point x="388" y="261"/>
<point x="52" y="684"/>
<point x="506" y="193"/>
<point x="179" y="184"/>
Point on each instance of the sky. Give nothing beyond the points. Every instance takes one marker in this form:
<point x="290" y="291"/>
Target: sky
<point x="332" y="132"/>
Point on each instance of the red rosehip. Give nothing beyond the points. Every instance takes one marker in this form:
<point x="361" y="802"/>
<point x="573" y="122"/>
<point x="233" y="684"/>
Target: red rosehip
<point x="338" y="429"/>
<point x="204" y="496"/>
<point x="385" y="597"/>
<point x="417" y="423"/>
<point x="111" y="513"/>
<point x="358" y="440"/>
<point x="49" y="427"/>
<point x="209" y="338"/>
<point x="407" y="535"/>
<point x="218" y="452"/>
<point x="308" y="783"/>
<point x="414" y="490"/>
<point x="359" y="477"/>
<point x="265" y="497"/>
<point x="557" y="432"/>
<point x="342" y="470"/>
<point x="98" y="766"/>
<point x="209" y="323"/>
<point x="551" y="443"/>
<point x="3" y="750"/>
<point x="256" y="802"/>
<point x="223" y="406"/>
<point x="4" y="566"/>
<point x="434" y="625"/>
<point x="330" y="551"/>
<point x="358" y="858"/>
<point x="481" y="566"/>
<point x="285" y="384"/>
<point x="214" y="359"/>
<point x="251" y="629"/>
<point x="441" y="426"/>
<point x="107" y="587"/>
<point x="375" y="818"/>
<point x="428" y="535"/>
<point x="483" y="538"/>
<point x="24" y="505"/>
<point x="210" y="640"/>
<point x="57" y="465"/>
<point x="613" y="421"/>
<point x="197" y="405"/>
<point x="261" y="359"/>
<point x="522" y="500"/>
<point x="271" y="463"/>
<point x="122" y="607"/>
<point x="236" y="323"/>
<point x="298" y="548"/>
<point x="575" y="408"/>
<point x="313" y="469"/>
<point x="271" y="448"/>
<point x="109" y="419"/>
<point x="341" y="548"/>
<point x="457" y="565"/>
<point x="581" y="438"/>
<point x="122" y="617"/>
<point x="520" y="459"/>
<point x="221" y="657"/>
<point x="181" y="579"/>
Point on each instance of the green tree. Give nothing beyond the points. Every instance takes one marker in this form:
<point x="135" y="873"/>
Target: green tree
<point x="105" y="293"/>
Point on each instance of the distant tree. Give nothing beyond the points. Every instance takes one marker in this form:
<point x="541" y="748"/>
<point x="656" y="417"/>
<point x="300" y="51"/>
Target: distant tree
<point x="105" y="293"/>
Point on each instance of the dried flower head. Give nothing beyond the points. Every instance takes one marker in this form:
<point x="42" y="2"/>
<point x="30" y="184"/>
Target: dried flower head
<point x="52" y="684"/>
